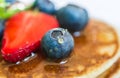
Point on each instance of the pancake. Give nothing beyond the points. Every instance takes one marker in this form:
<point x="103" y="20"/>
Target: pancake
<point x="115" y="73"/>
<point x="112" y="72"/>
<point x="95" y="51"/>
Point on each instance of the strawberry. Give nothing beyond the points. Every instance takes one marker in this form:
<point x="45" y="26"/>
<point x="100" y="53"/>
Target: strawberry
<point x="23" y="34"/>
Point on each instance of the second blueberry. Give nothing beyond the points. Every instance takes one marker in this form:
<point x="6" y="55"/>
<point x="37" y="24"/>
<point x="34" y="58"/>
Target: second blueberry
<point x="72" y="17"/>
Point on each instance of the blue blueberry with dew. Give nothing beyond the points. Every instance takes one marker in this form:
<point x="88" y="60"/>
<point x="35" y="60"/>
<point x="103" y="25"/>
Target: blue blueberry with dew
<point x="2" y="22"/>
<point x="72" y="17"/>
<point x="57" y="44"/>
<point x="45" y="6"/>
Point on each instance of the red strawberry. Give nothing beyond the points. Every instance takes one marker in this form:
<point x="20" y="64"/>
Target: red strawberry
<point x="23" y="34"/>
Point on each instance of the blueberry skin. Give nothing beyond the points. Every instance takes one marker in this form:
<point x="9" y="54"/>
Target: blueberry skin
<point x="57" y="43"/>
<point x="45" y="6"/>
<point x="2" y="22"/>
<point x="10" y="1"/>
<point x="72" y="17"/>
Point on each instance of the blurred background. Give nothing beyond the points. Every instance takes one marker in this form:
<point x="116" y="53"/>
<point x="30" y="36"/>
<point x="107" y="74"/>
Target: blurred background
<point x="106" y="10"/>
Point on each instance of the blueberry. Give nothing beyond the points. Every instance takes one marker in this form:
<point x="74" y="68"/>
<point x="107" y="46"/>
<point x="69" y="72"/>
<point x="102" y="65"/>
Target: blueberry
<point x="45" y="6"/>
<point x="10" y="1"/>
<point x="1" y="28"/>
<point x="57" y="43"/>
<point x="72" y="17"/>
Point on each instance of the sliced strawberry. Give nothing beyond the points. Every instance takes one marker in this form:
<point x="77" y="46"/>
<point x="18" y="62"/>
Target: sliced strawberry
<point x="23" y="34"/>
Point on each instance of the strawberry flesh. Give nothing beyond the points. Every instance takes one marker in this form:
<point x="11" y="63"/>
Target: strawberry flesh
<point x="23" y="34"/>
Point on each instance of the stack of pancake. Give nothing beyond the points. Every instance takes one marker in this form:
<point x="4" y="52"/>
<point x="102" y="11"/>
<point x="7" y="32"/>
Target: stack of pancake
<point x="102" y="51"/>
<point x="96" y="55"/>
<point x="112" y="71"/>
<point x="108" y="39"/>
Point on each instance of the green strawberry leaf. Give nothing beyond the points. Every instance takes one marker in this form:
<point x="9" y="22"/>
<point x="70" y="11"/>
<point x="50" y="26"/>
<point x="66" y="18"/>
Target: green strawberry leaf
<point x="6" y="12"/>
